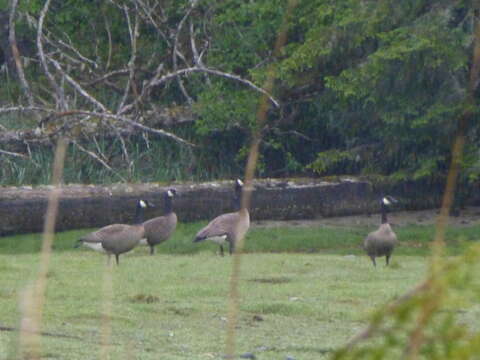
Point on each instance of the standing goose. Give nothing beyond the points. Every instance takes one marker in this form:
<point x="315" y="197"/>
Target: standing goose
<point x="159" y="229"/>
<point x="382" y="241"/>
<point x="227" y="227"/>
<point x="117" y="238"/>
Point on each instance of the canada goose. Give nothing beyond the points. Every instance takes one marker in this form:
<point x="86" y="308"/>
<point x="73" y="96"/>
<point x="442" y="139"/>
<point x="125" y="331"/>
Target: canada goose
<point x="383" y="240"/>
<point x="227" y="227"/>
<point x="117" y="238"/>
<point x="159" y="229"/>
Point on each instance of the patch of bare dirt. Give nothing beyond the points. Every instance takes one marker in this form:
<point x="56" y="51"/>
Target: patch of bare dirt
<point x="467" y="217"/>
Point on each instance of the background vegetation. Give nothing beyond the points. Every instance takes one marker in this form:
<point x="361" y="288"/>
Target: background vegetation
<point x="364" y="87"/>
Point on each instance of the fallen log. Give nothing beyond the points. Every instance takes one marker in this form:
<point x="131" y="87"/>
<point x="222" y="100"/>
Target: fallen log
<point x="22" y="209"/>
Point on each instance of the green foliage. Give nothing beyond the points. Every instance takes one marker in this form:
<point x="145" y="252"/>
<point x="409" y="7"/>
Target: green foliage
<point x="222" y="107"/>
<point x="399" y="66"/>
<point x="430" y="321"/>
<point x="331" y="161"/>
<point x="379" y="81"/>
<point x="390" y="76"/>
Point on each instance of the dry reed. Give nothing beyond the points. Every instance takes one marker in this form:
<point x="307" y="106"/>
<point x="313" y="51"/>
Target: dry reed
<point x="34" y="297"/>
<point x="261" y="117"/>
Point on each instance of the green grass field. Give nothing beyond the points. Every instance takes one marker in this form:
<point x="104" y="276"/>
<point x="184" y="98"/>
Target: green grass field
<point x="304" y="292"/>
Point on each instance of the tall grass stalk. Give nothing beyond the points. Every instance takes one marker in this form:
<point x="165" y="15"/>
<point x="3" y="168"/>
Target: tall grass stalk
<point x="33" y="309"/>
<point x="234" y="295"/>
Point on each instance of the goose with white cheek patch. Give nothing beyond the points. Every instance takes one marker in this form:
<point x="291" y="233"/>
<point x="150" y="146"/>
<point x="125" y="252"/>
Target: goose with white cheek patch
<point x="159" y="229"/>
<point x="117" y="239"/>
<point x="382" y="241"/>
<point x="227" y="228"/>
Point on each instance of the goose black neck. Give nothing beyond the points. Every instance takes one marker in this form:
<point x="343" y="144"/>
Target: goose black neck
<point x="237" y="200"/>
<point x="139" y="215"/>
<point x="384" y="214"/>
<point x="168" y="204"/>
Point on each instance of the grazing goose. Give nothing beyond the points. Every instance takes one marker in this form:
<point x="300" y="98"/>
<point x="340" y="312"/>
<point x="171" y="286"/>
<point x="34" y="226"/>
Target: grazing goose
<point x="159" y="229"/>
<point x="117" y="238"/>
<point x="382" y="241"/>
<point x="227" y="227"/>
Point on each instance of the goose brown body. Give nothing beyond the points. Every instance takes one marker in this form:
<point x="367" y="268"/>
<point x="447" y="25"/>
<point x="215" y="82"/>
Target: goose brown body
<point x="117" y="239"/>
<point x="159" y="229"/>
<point x="382" y="241"/>
<point x="227" y="228"/>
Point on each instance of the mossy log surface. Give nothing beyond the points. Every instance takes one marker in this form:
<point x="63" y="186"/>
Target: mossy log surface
<point x="22" y="209"/>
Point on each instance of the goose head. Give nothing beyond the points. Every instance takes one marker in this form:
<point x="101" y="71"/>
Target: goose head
<point x="389" y="200"/>
<point x="170" y="193"/>
<point x="143" y="204"/>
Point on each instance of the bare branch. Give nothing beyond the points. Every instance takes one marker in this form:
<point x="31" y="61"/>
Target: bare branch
<point x="148" y="15"/>
<point x="107" y="115"/>
<point x="156" y="131"/>
<point x="16" y="54"/>
<point x="197" y="58"/>
<point x="77" y="53"/>
<point x="9" y="153"/>
<point x="176" y="52"/>
<point x="108" y="76"/>
<point x="124" y="148"/>
<point x="160" y="80"/>
<point x="145" y="138"/>
<point x="146" y="88"/>
<point x="41" y="54"/>
<point x="94" y="156"/>
<point x="131" y="63"/>
<point x="77" y="86"/>
<point x="218" y="73"/>
<point x="110" y="46"/>
<point x="97" y="146"/>
<point x="25" y="108"/>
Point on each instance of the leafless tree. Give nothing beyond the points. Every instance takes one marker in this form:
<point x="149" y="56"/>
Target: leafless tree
<point x="72" y="103"/>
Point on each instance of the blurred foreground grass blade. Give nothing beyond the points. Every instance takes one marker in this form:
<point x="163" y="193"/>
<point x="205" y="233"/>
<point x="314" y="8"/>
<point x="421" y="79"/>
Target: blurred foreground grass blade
<point x="234" y="296"/>
<point x="33" y="305"/>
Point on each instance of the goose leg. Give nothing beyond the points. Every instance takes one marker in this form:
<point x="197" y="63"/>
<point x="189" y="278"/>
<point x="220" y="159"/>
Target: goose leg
<point x="373" y="260"/>
<point x="221" y="250"/>
<point x="152" y="250"/>
<point x="116" y="259"/>
<point x="231" y="249"/>
<point x="387" y="259"/>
